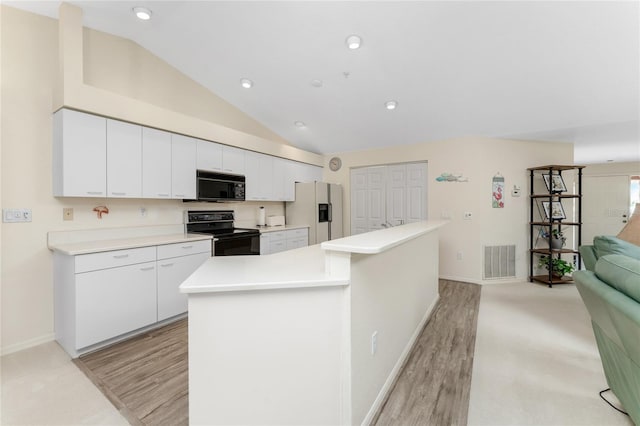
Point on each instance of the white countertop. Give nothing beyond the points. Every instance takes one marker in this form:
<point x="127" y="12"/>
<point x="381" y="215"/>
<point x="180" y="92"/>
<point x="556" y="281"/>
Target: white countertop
<point x="383" y="239"/>
<point x="303" y="267"/>
<point x="87" y="247"/>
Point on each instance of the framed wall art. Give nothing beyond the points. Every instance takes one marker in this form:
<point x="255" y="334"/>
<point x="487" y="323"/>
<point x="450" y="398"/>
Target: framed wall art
<point x="555" y="183"/>
<point x="553" y="210"/>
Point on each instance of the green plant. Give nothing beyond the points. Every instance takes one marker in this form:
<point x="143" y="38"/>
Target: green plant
<point x="559" y="267"/>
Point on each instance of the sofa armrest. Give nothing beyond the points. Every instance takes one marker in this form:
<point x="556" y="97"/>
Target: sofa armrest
<point x="589" y="258"/>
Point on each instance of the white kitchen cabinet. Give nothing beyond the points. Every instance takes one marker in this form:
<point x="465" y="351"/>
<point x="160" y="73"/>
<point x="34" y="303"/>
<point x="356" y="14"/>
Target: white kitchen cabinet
<point x="124" y="159"/>
<point x="233" y="160"/>
<point x="259" y="183"/>
<point x="79" y="154"/>
<point x="278" y="178"/>
<point x="287" y="239"/>
<point x="175" y="263"/>
<point x="114" y="301"/>
<point x="209" y="156"/>
<point x="156" y="163"/>
<point x="100" y="297"/>
<point x="183" y="167"/>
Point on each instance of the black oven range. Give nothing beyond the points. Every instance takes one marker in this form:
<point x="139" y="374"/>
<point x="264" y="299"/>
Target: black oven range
<point x="231" y="241"/>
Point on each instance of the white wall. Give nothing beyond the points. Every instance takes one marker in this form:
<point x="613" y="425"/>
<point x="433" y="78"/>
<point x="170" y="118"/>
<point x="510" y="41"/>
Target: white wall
<point x="28" y="75"/>
<point x="478" y="159"/>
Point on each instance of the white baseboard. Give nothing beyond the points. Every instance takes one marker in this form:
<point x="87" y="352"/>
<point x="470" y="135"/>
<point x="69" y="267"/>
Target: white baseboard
<point x="386" y="388"/>
<point x="26" y="344"/>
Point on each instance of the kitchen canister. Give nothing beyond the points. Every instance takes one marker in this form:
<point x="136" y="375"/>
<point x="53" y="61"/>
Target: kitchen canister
<point x="262" y="216"/>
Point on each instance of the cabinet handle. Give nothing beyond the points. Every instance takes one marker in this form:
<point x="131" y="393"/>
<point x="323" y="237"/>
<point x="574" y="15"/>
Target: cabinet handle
<point x="148" y="268"/>
<point x="179" y="195"/>
<point x="120" y="256"/>
<point x="163" y="195"/>
<point x="187" y="247"/>
<point x="118" y="193"/>
<point x="166" y="265"/>
<point x="94" y="192"/>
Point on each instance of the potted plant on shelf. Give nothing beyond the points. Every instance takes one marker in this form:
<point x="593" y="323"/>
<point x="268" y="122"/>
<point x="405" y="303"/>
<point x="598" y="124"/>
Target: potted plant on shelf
<point x="556" y="238"/>
<point x="559" y="267"/>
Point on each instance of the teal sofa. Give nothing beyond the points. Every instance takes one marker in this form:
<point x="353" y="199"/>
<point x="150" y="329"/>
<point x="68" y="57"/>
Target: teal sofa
<point x="611" y="293"/>
<point x="604" y="245"/>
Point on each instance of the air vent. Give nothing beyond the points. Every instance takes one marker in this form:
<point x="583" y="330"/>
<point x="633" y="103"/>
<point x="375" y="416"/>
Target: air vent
<point x="499" y="262"/>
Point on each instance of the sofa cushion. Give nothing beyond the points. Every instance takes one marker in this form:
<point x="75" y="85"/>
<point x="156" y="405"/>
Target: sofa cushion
<point x="605" y="245"/>
<point x="620" y="272"/>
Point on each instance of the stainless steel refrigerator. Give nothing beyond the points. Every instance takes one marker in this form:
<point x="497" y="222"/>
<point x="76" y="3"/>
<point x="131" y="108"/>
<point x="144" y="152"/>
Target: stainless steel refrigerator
<point x="319" y="205"/>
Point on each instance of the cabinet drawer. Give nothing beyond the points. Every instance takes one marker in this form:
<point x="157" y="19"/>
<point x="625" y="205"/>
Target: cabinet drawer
<point x="184" y="249"/>
<point x="277" y="236"/>
<point x="277" y="246"/>
<point x="112" y="259"/>
<point x="297" y="233"/>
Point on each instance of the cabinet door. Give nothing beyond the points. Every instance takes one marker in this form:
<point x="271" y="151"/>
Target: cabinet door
<point x="259" y="179"/>
<point x="171" y="273"/>
<point x="265" y="244"/>
<point x="290" y="178"/>
<point x="209" y="156"/>
<point x="277" y="246"/>
<point x="124" y="160"/>
<point x="183" y="167"/>
<point x="233" y="160"/>
<point x="111" y="302"/>
<point x="79" y="154"/>
<point x="156" y="163"/>
<point x="278" y="178"/>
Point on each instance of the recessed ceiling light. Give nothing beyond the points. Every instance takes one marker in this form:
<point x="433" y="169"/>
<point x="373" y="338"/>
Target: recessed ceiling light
<point x="299" y="124"/>
<point x="316" y="83"/>
<point x="354" y="42"/>
<point x="391" y="105"/>
<point x="246" y="83"/>
<point x="142" y="13"/>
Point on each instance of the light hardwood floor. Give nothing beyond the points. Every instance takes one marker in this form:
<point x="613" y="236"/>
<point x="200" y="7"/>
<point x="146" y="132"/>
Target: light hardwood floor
<point x="146" y="377"/>
<point x="433" y="386"/>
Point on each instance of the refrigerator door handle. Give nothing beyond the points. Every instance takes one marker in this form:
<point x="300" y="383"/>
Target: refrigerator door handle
<point x="330" y="212"/>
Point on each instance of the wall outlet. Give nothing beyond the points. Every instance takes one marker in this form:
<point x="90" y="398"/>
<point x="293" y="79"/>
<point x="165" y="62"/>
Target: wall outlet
<point x="459" y="255"/>
<point x="67" y="213"/>
<point x="467" y="215"/>
<point x="16" y="215"/>
<point x="374" y="343"/>
<point x="143" y="211"/>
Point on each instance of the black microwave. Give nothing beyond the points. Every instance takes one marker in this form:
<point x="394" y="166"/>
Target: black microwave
<point x="215" y="187"/>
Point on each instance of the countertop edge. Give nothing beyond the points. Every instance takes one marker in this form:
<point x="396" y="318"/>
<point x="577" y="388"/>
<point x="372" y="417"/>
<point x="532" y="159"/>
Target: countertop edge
<point x="74" y="249"/>
<point x="221" y="288"/>
<point x="384" y="239"/>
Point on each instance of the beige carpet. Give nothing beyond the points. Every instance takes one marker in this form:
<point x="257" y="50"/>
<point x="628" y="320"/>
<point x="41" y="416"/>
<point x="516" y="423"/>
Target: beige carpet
<point x="536" y="361"/>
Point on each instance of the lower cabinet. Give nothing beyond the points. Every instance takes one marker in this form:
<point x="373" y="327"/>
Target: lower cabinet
<point x="101" y="296"/>
<point x="171" y="273"/>
<point x="277" y="241"/>
<point x="114" y="301"/>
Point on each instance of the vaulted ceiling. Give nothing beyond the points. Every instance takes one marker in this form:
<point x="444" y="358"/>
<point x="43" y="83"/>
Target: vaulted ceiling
<point x="554" y="71"/>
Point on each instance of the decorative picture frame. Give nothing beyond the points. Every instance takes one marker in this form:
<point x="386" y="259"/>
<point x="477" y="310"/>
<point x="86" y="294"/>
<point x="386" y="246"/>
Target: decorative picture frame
<point x="555" y="183"/>
<point x="553" y="210"/>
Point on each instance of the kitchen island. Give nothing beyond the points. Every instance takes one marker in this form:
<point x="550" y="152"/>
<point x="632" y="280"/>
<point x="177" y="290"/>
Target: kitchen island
<point x="314" y="335"/>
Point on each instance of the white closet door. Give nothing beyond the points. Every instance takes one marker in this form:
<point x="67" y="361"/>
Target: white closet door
<point x="396" y="194"/>
<point x="605" y="205"/>
<point x="359" y="207"/>
<point x="416" y="193"/>
<point x="377" y="200"/>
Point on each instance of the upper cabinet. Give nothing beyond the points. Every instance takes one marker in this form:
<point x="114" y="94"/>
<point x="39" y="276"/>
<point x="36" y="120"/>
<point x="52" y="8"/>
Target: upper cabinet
<point x="98" y="157"/>
<point x="79" y="154"/>
<point x="233" y="160"/>
<point x="183" y="167"/>
<point x="209" y="156"/>
<point x="156" y="163"/>
<point x="124" y="159"/>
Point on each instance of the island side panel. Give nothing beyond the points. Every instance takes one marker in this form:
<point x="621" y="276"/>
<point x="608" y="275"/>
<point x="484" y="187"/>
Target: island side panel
<point x="392" y="293"/>
<point x="267" y="357"/>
